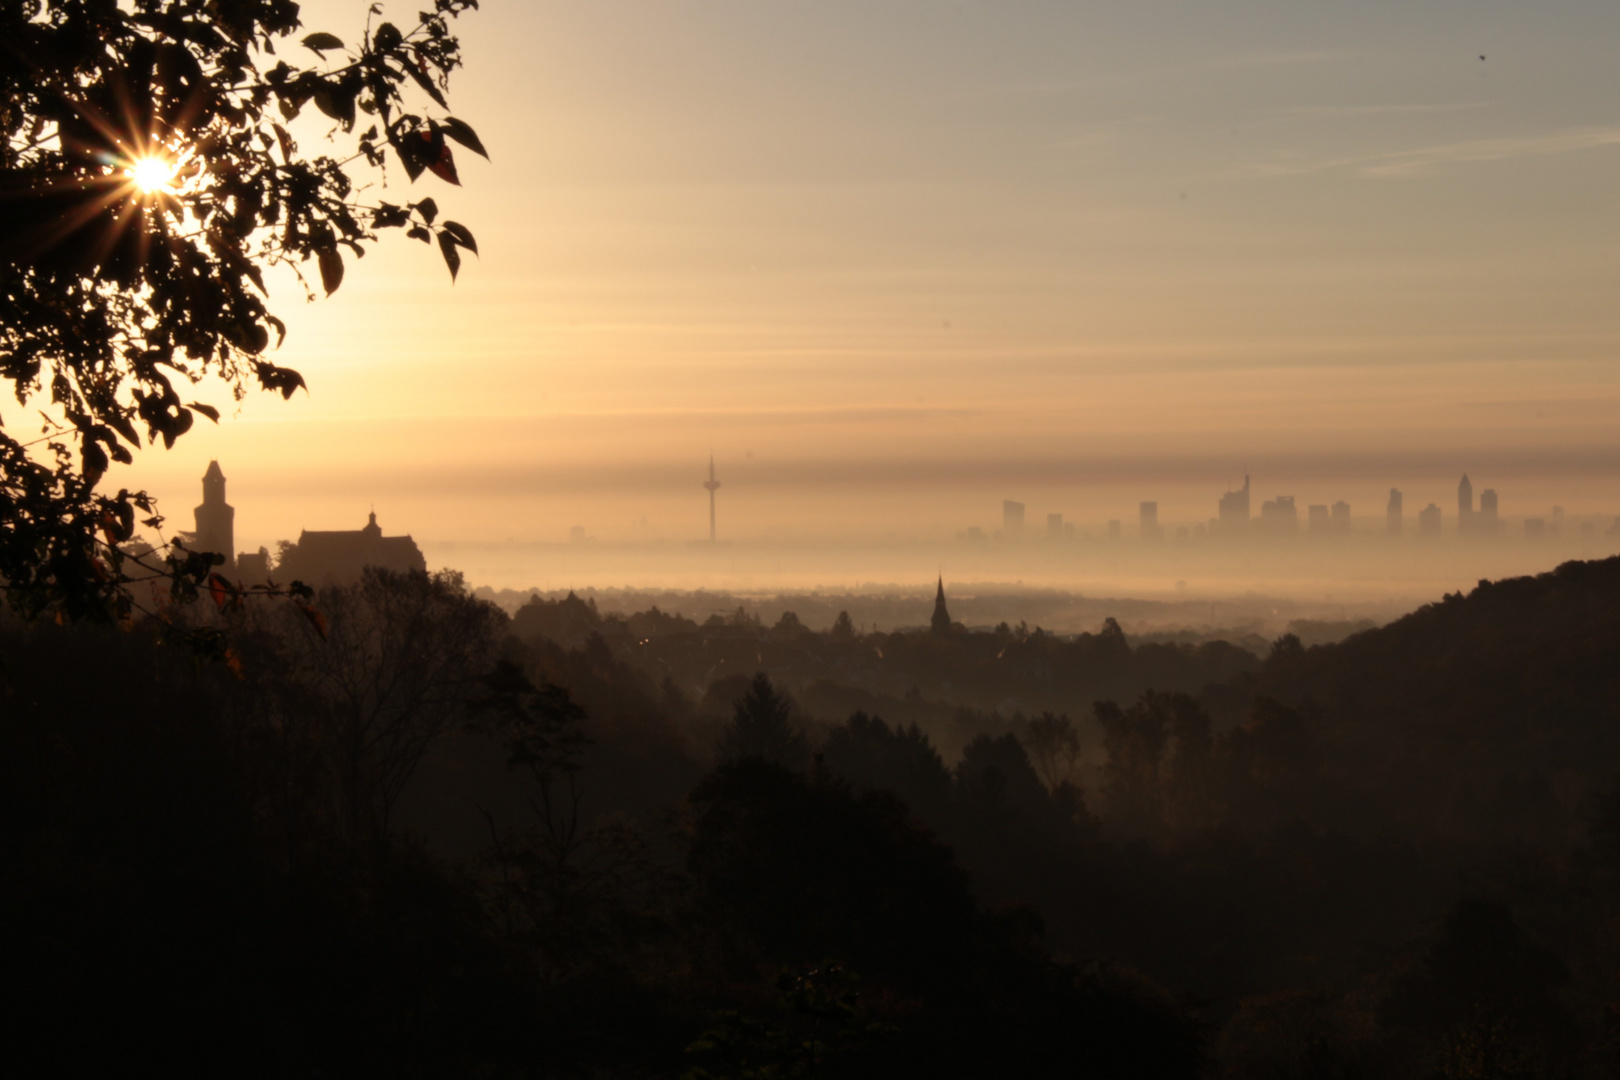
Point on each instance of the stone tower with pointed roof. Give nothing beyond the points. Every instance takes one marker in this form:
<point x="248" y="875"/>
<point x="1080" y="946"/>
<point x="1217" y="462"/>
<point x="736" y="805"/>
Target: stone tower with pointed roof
<point x="941" y="622"/>
<point x="216" y="519"/>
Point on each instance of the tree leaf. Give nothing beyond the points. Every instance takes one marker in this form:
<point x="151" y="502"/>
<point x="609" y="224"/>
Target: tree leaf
<point x="416" y="72"/>
<point x="219" y="590"/>
<point x="459" y="131"/>
<point x="282" y="380"/>
<point x="286" y="143"/>
<point x="120" y="423"/>
<point x="316" y="619"/>
<point x="444" y="167"/>
<point x="452" y="257"/>
<point x="320" y="42"/>
<point x="410" y="154"/>
<point x="207" y="410"/>
<point x="389" y="216"/>
<point x="95" y="458"/>
<point x="462" y="234"/>
<point x="428" y="209"/>
<point x="331" y="269"/>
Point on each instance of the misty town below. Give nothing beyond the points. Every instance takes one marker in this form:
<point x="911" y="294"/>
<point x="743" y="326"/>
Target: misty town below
<point x="1328" y="564"/>
<point x="413" y="828"/>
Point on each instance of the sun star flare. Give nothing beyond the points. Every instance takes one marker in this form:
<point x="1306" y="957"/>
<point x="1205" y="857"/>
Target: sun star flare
<point x="153" y="173"/>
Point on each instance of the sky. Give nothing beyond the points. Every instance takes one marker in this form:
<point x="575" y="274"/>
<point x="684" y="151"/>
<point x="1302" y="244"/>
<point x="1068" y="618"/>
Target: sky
<point x="892" y="262"/>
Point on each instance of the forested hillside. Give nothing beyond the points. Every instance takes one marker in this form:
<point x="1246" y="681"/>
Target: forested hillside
<point x="414" y="836"/>
<point x="1487" y="716"/>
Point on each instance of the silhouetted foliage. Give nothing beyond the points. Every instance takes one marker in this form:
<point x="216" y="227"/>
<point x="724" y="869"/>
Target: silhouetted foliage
<point x="148" y="184"/>
<point x="1299" y="852"/>
<point x="996" y="777"/>
<point x="875" y="757"/>
<point x="1053" y="744"/>
<point x="762" y="727"/>
<point x="788" y="628"/>
<point x="822" y="1005"/>
<point x="568" y="622"/>
<point x="796" y="866"/>
<point x="391" y="671"/>
<point x="151" y="921"/>
<point x="802" y="869"/>
<point x="576" y="892"/>
<point x="1487" y="994"/>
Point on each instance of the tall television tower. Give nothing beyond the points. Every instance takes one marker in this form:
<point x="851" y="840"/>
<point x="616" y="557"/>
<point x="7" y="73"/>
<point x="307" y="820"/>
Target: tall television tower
<point x="712" y="485"/>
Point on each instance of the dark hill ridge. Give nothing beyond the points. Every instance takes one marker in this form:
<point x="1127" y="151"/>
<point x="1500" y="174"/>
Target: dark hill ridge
<point x="1496" y="711"/>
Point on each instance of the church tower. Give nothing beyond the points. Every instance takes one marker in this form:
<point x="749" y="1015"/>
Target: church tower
<point x="942" y="619"/>
<point x="216" y="519"/>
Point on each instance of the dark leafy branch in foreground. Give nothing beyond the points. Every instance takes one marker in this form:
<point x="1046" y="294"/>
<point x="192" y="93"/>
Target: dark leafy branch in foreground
<point x="149" y="181"/>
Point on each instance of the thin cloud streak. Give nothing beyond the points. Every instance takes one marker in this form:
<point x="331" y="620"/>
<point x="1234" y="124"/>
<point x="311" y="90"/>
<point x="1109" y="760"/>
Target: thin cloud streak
<point x="1383" y="110"/>
<point x="1277" y="58"/>
<point x="1103" y="132"/>
<point x="1052" y="88"/>
<point x="1425" y="159"/>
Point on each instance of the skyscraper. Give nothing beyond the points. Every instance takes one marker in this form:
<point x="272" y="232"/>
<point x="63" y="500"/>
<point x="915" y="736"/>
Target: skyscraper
<point x="1320" y="520"/>
<point x="1465" y="506"/>
<point x="1054" y="526"/>
<point x="216" y="519"/>
<point x="1012" y="520"/>
<point x="1148" y="518"/>
<point x="1394" y="516"/>
<point x="1487" y="520"/>
<point x="711" y="485"/>
<point x="1234" y="514"/>
<point x="1341" y="517"/>
<point x="1279" y="516"/>
<point x="1429" y="521"/>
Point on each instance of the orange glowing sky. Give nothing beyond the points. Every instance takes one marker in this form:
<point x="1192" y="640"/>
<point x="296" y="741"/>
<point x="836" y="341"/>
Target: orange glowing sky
<point x="894" y="261"/>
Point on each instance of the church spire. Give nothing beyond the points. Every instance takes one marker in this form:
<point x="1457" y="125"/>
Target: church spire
<point x="941" y="621"/>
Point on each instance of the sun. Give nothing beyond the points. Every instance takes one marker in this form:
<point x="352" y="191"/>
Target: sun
<point x="152" y="174"/>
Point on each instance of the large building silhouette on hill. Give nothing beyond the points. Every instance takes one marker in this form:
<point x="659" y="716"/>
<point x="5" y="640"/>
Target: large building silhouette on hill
<point x="333" y="557"/>
<point x="319" y="558"/>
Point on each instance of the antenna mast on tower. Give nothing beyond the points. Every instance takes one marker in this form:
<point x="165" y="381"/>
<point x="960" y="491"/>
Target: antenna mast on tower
<point x="712" y="485"/>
